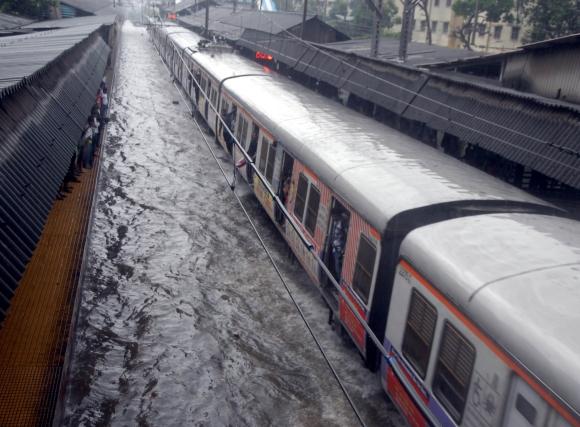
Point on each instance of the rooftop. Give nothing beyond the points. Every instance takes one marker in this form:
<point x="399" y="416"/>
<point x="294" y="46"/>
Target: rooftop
<point x="96" y="7"/>
<point x="8" y="22"/>
<point x="418" y="54"/>
<point x="71" y="22"/>
<point x="25" y="55"/>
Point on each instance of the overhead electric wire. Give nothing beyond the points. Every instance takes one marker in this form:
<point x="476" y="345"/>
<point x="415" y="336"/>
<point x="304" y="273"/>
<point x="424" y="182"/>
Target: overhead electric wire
<point x="393" y="363"/>
<point x="271" y="259"/>
<point x="419" y="95"/>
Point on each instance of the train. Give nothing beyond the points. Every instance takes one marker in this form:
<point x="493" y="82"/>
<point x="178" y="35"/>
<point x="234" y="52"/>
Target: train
<point x="470" y="284"/>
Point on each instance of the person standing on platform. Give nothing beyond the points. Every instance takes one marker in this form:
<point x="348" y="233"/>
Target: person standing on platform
<point x="87" y="152"/>
<point x="104" y="104"/>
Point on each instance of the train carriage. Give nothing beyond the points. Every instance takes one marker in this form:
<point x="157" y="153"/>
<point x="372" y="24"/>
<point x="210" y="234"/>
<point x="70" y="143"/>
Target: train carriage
<point x="344" y="176"/>
<point x="382" y="182"/>
<point x="487" y="324"/>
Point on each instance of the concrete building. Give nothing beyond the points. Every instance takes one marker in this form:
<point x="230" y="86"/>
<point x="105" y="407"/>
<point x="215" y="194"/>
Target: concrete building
<point x="493" y="37"/>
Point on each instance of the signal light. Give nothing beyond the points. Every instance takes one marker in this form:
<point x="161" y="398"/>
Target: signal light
<point x="263" y="56"/>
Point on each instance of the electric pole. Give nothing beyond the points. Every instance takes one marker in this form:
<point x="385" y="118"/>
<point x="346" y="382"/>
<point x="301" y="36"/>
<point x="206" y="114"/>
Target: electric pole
<point x="304" y="19"/>
<point x="405" y="29"/>
<point x="376" y="35"/>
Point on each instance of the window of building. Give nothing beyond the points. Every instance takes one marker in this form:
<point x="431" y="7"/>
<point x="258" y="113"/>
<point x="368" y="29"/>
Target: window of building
<point x="436" y="2"/>
<point x="419" y="331"/>
<point x="364" y="268"/>
<point x="423" y="25"/>
<point x="515" y="33"/>
<point x="445" y="27"/>
<point x="434" y="26"/>
<point x="481" y="29"/>
<point x="448" y="3"/>
<point x="453" y="371"/>
<point x="270" y="163"/>
<point x="301" y="193"/>
<point x="497" y="32"/>
<point x="312" y="209"/>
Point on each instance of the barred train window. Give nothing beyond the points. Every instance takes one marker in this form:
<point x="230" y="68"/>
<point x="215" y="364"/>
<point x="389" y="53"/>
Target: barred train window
<point x="242" y="130"/>
<point x="301" y="197"/>
<point x="263" y="155"/>
<point x="419" y="332"/>
<point x="312" y="209"/>
<point x="453" y="371"/>
<point x="270" y="163"/>
<point x="364" y="268"/>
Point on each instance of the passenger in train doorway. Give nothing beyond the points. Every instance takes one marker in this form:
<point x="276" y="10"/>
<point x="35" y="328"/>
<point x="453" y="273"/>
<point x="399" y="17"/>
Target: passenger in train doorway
<point x="338" y="241"/>
<point x="230" y="121"/>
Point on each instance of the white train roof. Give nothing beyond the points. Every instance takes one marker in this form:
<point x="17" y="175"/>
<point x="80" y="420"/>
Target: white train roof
<point x="378" y="170"/>
<point x="517" y="276"/>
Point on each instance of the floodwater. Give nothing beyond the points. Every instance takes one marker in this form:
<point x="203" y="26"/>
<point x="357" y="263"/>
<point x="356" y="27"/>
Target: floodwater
<point x="183" y="321"/>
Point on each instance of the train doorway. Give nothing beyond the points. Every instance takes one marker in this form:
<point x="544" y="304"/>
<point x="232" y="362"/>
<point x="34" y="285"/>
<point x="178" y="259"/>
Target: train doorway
<point x="284" y="184"/>
<point x="335" y="244"/>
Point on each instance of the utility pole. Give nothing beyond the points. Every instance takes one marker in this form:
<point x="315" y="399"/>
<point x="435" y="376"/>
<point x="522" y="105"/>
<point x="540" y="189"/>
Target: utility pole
<point x="474" y="27"/>
<point x="304" y="19"/>
<point x="376" y="35"/>
<point x="405" y="29"/>
<point x="207" y="18"/>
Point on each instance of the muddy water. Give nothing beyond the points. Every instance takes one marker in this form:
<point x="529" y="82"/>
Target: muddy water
<point x="183" y="321"/>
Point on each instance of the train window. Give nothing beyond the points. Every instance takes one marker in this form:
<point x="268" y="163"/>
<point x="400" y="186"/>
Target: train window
<point x="419" y="332"/>
<point x="263" y="155"/>
<point x="312" y="209"/>
<point x="270" y="163"/>
<point x="301" y="197"/>
<point x="453" y="371"/>
<point x="526" y="409"/>
<point x="364" y="268"/>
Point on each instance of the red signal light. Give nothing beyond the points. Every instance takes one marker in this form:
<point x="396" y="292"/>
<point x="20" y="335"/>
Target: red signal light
<point x="263" y="56"/>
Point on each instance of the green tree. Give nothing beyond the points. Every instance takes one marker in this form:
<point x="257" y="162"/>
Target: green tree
<point x="37" y="9"/>
<point x="549" y="19"/>
<point x="362" y="15"/>
<point x="487" y="11"/>
<point x="339" y="10"/>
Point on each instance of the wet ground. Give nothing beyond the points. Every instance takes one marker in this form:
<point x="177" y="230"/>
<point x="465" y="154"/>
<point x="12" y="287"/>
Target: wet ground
<point x="183" y="321"/>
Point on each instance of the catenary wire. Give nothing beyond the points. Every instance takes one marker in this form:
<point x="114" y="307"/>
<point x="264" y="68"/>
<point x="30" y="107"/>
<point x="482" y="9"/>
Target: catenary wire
<point x="272" y="261"/>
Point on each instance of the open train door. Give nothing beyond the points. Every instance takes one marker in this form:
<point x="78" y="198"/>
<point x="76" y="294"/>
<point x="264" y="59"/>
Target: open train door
<point x="334" y="246"/>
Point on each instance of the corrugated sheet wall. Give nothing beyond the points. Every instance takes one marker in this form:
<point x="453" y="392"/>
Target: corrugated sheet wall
<point x="39" y="128"/>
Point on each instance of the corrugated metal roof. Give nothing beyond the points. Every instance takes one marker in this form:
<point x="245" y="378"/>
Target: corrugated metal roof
<point x="72" y="22"/>
<point x="531" y="130"/>
<point x="8" y="22"/>
<point x="41" y="120"/>
<point x="418" y="54"/>
<point x="231" y="25"/>
<point x="23" y="56"/>
<point x="186" y="4"/>
<point x="97" y="7"/>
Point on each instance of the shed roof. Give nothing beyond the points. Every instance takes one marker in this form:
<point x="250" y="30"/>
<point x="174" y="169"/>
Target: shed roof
<point x="231" y="25"/>
<point x="419" y="54"/>
<point x="25" y="55"/>
<point x="8" y="22"/>
<point x="71" y="22"/>
<point x="96" y="7"/>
